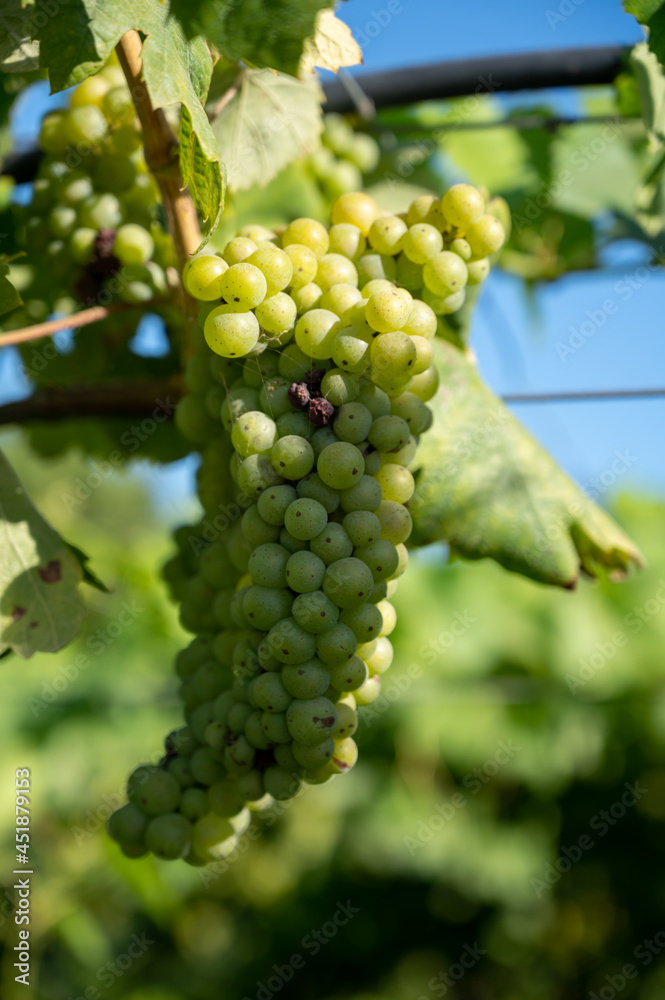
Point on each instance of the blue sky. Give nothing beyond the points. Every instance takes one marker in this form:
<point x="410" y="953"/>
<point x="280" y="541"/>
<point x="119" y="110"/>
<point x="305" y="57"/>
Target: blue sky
<point x="516" y="352"/>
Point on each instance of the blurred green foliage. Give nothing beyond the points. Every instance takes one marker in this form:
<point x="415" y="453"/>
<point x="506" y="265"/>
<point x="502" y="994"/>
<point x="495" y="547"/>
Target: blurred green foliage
<point x="512" y="717"/>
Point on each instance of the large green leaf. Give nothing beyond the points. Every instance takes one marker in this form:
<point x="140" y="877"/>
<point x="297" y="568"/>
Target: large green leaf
<point x="269" y="33"/>
<point x="40" y="606"/>
<point x="77" y="40"/>
<point x="650" y="79"/>
<point x="651" y="13"/>
<point x="272" y="120"/>
<point x="489" y="489"/>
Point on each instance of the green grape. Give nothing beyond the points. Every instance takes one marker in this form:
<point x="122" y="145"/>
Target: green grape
<point x="169" y="836"/>
<point x="378" y="286"/>
<point x="306" y="680"/>
<point x="275" y="729"/>
<point x="331" y="544"/>
<point x="340" y="465"/>
<point x="421" y="321"/>
<point x="305" y="264"/>
<point x="337" y="645"/>
<point x="364" y="152"/>
<point x="345" y="756"/>
<point x="307" y="297"/>
<point x="396" y="522"/>
<point x="462" y="249"/>
<point x="276" y="266"/>
<point x="350" y="675"/>
<point x="381" y="658"/>
<point x="346" y="239"/>
<point x="463" y="205"/>
<point x="388" y="309"/>
<point x="274" y="397"/>
<point x="202" y="277"/>
<point x="194" y="804"/>
<point x="128" y="825"/>
<point x="305" y="572"/>
<point x="340" y="299"/>
<point x="293" y="363"/>
<point x="422" y="242"/>
<point x="290" y="543"/>
<point x="396" y="483"/>
<point x="393" y="356"/>
<point x="305" y="518"/>
<point x="351" y="349"/>
<point x="312" y="486"/>
<point x="281" y="783"/>
<point x="308" y="233"/>
<point x="365" y="622"/>
<point x="239" y="755"/>
<point x="231" y="334"/>
<point x="255" y="733"/>
<point x="311" y="757"/>
<point x="243" y="286"/>
<point x="339" y="386"/>
<point x="369" y="691"/>
<point x="256" y="530"/>
<point x="347" y="716"/>
<point x="335" y="269"/>
<point x="311" y="720"/>
<point x="257" y="233"/>
<point x="213" y="838"/>
<point x="375" y="267"/>
<point x="209" y="680"/>
<point x="250" y="787"/>
<point x="205" y="770"/>
<point x="315" y="612"/>
<point x="445" y="274"/>
<point x="290" y="643"/>
<point x="478" y="270"/>
<point x="411" y="409"/>
<point x="292" y="457"/>
<point x="352" y="422"/>
<point x="61" y="221"/>
<point x="85" y="125"/>
<point x="348" y="582"/>
<point x="409" y="275"/>
<point x="238" y="250"/>
<point x="356" y="208"/>
<point x="426" y="384"/>
<point x="315" y="333"/>
<point x="238" y="402"/>
<point x="322" y="438"/>
<point x="267" y="565"/>
<point x="375" y="399"/>
<point x="91" y="91"/>
<point x="153" y="790"/>
<point x="362" y="527"/>
<point x="264" y="607"/>
<point x="115" y="172"/>
<point x="277" y="314"/>
<point x="381" y="557"/>
<point x="117" y="105"/>
<point x="389" y="616"/>
<point x="386" y="234"/>
<point x="253" y="434"/>
<point x="267" y="692"/>
<point x="133" y="244"/>
<point x="273" y="503"/>
<point x="389" y="433"/>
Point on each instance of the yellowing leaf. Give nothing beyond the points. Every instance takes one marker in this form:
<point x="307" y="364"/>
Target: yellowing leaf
<point x="331" y="47"/>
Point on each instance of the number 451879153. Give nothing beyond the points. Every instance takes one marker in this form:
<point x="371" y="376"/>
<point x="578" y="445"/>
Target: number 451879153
<point x="22" y="813"/>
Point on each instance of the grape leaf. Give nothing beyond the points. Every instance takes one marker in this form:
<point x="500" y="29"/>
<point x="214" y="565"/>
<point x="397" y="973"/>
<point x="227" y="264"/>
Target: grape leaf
<point x="272" y="120"/>
<point x="651" y="13"/>
<point x="18" y="53"/>
<point x="265" y="33"/>
<point x="9" y="297"/>
<point x="331" y="47"/>
<point x="487" y="487"/>
<point x="650" y="79"/>
<point x="77" y="40"/>
<point x="40" y="606"/>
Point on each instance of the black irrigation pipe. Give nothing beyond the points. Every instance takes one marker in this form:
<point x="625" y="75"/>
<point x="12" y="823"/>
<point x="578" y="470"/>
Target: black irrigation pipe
<point x="582" y="397"/>
<point x="578" y="67"/>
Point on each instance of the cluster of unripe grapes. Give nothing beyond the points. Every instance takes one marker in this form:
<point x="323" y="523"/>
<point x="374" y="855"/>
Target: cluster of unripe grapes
<point x="307" y="396"/>
<point x="344" y="157"/>
<point x="92" y="229"/>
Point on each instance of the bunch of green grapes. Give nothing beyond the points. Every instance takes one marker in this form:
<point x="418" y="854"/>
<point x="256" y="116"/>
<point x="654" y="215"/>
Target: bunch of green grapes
<point x="92" y="231"/>
<point x="345" y="156"/>
<point x="307" y="396"/>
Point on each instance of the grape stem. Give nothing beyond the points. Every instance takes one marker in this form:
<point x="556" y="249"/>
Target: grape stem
<point x="133" y="399"/>
<point x="83" y="318"/>
<point x="225" y="99"/>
